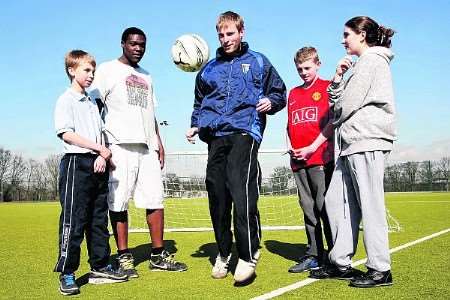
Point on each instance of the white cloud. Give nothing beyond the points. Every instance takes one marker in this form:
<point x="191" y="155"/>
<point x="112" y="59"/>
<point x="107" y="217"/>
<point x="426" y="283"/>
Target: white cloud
<point x="434" y="151"/>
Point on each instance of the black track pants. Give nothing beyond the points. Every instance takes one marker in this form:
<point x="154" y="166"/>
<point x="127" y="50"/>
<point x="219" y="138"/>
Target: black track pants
<point x="84" y="210"/>
<point x="232" y="180"/>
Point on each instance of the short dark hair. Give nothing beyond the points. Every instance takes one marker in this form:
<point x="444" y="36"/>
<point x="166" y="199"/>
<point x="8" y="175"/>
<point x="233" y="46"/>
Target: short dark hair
<point x="130" y="31"/>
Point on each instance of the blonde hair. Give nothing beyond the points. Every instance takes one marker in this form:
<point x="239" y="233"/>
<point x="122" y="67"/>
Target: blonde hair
<point x="74" y="58"/>
<point x="230" y="16"/>
<point x="306" y="53"/>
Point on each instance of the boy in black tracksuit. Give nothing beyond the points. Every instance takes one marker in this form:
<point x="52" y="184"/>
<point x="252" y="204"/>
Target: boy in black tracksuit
<point x="83" y="179"/>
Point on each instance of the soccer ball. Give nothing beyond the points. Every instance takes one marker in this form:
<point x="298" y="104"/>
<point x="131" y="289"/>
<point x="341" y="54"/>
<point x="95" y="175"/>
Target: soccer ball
<point x="190" y="52"/>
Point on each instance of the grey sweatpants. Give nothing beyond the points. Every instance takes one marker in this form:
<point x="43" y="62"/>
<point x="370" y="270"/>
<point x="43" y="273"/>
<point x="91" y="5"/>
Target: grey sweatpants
<point x="312" y="184"/>
<point x="356" y="191"/>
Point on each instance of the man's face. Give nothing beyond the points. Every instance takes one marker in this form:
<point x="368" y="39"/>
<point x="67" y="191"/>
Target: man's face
<point x="230" y="37"/>
<point x="308" y="70"/>
<point x="134" y="48"/>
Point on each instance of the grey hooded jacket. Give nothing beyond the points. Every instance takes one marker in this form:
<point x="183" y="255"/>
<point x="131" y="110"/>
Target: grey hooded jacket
<point x="364" y="110"/>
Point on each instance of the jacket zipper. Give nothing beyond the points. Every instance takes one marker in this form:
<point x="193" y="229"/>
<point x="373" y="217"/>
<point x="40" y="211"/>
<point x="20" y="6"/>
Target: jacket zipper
<point x="228" y="85"/>
<point x="228" y="92"/>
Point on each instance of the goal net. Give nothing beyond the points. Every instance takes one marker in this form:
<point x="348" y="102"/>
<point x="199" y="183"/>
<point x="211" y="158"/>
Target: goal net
<point x="186" y="203"/>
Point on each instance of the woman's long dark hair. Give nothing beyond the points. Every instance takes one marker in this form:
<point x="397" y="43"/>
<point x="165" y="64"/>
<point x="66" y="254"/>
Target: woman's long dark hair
<point x="376" y="35"/>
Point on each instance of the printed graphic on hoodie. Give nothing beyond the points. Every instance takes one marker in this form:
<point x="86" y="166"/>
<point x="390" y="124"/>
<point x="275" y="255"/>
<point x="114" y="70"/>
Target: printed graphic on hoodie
<point x="137" y="89"/>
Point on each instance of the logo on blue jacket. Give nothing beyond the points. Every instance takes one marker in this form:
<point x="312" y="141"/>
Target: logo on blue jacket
<point x="245" y="68"/>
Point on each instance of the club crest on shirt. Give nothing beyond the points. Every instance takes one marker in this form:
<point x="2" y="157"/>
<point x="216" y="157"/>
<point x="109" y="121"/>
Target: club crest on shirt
<point x="245" y="68"/>
<point x="316" y="96"/>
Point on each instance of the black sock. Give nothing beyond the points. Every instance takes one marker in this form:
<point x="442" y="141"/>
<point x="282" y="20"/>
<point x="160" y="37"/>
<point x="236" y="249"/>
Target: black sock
<point x="157" y="251"/>
<point x="120" y="252"/>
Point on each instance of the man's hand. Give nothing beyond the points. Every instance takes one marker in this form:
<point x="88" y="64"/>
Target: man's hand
<point x="161" y="156"/>
<point x="112" y="165"/>
<point x="264" y="105"/>
<point x="191" y="133"/>
<point x="99" y="164"/>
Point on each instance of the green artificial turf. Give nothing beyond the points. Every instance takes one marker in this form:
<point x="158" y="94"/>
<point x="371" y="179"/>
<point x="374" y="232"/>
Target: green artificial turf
<point x="28" y="253"/>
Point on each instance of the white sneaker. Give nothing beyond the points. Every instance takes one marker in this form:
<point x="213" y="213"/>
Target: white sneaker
<point x="246" y="269"/>
<point x="220" y="268"/>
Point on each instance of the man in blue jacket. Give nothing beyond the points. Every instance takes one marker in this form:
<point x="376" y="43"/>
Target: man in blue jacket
<point x="233" y="94"/>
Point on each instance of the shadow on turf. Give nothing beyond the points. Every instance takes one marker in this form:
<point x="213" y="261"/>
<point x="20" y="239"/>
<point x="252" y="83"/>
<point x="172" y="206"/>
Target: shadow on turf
<point x="246" y="282"/>
<point x="287" y="250"/>
<point x="210" y="250"/>
<point x="140" y="253"/>
<point x="82" y="280"/>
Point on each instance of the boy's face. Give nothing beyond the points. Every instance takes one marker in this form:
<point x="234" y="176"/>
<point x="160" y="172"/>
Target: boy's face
<point x="83" y="74"/>
<point x="134" y="48"/>
<point x="230" y="37"/>
<point x="308" y="70"/>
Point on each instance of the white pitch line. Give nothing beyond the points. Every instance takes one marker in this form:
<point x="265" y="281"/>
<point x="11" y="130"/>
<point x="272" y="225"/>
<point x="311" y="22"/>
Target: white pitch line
<point x="419" y="201"/>
<point x="299" y="284"/>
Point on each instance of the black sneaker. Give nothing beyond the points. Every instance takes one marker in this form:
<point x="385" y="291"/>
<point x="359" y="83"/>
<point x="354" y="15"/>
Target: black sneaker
<point x="107" y="275"/>
<point x="332" y="271"/>
<point x="305" y="263"/>
<point x="165" y="262"/>
<point x="126" y="265"/>
<point x="67" y="285"/>
<point x="372" y="278"/>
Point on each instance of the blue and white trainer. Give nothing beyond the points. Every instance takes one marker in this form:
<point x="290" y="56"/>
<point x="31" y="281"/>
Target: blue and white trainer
<point x="67" y="285"/>
<point x="107" y="275"/>
<point x="306" y="263"/>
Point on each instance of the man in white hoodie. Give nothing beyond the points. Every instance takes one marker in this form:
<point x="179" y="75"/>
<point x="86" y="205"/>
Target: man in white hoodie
<point x="365" y="127"/>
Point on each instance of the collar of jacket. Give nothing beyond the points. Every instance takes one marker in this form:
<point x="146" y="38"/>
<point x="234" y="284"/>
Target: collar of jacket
<point x="221" y="55"/>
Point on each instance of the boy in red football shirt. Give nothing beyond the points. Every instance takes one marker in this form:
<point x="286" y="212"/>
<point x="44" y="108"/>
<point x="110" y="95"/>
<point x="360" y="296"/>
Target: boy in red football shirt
<point x="311" y="162"/>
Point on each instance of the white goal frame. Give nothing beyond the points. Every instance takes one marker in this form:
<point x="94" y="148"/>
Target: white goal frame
<point x="186" y="196"/>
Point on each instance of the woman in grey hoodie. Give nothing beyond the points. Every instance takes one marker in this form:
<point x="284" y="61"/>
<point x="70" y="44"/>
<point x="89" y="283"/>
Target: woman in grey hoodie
<point x="365" y="129"/>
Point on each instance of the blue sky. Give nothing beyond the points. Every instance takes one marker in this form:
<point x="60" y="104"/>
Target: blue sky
<point x="37" y="34"/>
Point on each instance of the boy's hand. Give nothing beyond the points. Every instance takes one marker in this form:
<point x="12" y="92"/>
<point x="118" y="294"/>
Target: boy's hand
<point x="191" y="133"/>
<point x="105" y="153"/>
<point x="264" y="105"/>
<point x="99" y="165"/>
<point x="303" y="153"/>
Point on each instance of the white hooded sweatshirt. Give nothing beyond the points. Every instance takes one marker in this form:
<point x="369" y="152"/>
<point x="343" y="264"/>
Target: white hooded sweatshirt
<point x="364" y="110"/>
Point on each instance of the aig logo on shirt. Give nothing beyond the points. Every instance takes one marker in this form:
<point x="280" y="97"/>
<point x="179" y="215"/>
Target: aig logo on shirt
<point x="305" y="114"/>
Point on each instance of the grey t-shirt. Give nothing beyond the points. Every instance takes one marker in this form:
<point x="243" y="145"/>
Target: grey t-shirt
<point x="76" y="112"/>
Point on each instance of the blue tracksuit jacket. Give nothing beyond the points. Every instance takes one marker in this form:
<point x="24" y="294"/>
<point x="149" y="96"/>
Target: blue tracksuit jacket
<point x="227" y="90"/>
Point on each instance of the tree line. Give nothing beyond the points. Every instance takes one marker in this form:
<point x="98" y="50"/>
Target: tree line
<point x="28" y="179"/>
<point x="398" y="177"/>
<point x="32" y="180"/>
